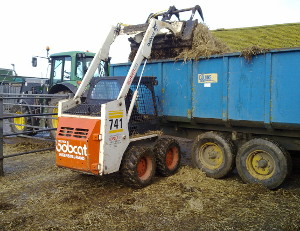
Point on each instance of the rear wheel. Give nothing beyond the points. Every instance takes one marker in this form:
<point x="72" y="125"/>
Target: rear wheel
<point x="167" y="152"/>
<point x="52" y="122"/>
<point x="263" y="161"/>
<point x="18" y="124"/>
<point x="138" y="167"/>
<point x="213" y="154"/>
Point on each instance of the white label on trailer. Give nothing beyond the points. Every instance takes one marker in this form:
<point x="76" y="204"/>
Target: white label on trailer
<point x="208" y="78"/>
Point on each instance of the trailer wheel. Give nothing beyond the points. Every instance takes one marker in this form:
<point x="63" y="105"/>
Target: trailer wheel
<point x="213" y="154"/>
<point x="167" y="153"/>
<point x="19" y="110"/>
<point x="138" y="166"/>
<point x="263" y="161"/>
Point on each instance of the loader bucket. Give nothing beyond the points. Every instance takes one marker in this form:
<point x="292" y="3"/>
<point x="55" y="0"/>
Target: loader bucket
<point x="166" y="43"/>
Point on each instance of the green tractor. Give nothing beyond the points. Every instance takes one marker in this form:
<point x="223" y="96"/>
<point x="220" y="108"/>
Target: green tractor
<point x="66" y="73"/>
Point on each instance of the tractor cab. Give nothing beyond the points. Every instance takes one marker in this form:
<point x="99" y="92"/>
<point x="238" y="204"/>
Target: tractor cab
<point x="72" y="66"/>
<point x="68" y="69"/>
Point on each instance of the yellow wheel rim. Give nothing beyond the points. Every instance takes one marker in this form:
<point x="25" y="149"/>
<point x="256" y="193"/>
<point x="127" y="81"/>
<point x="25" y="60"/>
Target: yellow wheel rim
<point x="54" y="121"/>
<point x="211" y="155"/>
<point x="260" y="165"/>
<point x="20" y="120"/>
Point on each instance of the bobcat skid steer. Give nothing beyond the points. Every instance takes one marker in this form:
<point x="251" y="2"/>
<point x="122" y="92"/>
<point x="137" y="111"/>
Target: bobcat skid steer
<point x="111" y="130"/>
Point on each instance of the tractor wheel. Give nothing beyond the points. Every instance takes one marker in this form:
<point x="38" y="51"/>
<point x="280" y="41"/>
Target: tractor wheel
<point x="19" y="110"/>
<point x="53" y="122"/>
<point x="167" y="153"/>
<point x="138" y="166"/>
<point x="263" y="161"/>
<point x="213" y="154"/>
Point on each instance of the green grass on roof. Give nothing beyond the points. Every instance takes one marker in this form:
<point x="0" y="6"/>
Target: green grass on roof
<point x="268" y="37"/>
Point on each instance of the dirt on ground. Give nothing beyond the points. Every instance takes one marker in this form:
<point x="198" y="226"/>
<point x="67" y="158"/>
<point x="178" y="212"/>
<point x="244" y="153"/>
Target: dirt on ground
<point x="37" y="195"/>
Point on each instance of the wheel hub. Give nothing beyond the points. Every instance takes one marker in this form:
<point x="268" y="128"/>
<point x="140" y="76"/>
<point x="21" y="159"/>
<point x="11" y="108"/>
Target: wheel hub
<point x="260" y="164"/>
<point x="172" y="157"/>
<point x="20" y="120"/>
<point x="142" y="167"/>
<point x="211" y="155"/>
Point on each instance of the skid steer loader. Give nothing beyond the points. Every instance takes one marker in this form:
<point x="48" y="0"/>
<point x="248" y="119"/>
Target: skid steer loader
<point x="114" y="129"/>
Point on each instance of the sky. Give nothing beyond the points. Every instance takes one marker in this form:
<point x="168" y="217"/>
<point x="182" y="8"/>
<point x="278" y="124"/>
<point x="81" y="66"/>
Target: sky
<point x="28" y="26"/>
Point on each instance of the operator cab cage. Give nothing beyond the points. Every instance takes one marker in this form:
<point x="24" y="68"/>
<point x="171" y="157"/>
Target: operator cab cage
<point x="144" y="117"/>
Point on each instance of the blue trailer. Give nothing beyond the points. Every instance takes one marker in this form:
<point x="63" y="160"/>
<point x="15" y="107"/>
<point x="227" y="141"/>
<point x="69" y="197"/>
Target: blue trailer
<point x="239" y="111"/>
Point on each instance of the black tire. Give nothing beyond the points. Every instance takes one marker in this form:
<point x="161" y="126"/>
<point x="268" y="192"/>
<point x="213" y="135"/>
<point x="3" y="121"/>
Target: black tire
<point x="168" y="156"/>
<point x="52" y="123"/>
<point x="263" y="161"/>
<point x="138" y="167"/>
<point x="19" y="110"/>
<point x="213" y="154"/>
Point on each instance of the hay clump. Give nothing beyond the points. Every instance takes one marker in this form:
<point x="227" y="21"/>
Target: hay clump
<point x="204" y="44"/>
<point x="249" y="52"/>
<point x="157" y="132"/>
<point x="163" y="53"/>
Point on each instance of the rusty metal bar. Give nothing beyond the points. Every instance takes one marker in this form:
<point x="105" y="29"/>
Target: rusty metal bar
<point x="1" y="138"/>
<point x="37" y="138"/>
<point x="27" y="115"/>
<point x="31" y="96"/>
<point x="28" y="132"/>
<point x="25" y="125"/>
<point x="30" y="105"/>
<point x="24" y="153"/>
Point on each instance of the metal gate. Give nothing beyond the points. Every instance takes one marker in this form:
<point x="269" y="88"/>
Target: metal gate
<point x="36" y="109"/>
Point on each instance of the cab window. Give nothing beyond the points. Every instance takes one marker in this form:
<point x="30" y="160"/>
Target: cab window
<point x="61" y="68"/>
<point x="83" y="64"/>
<point x="106" y="89"/>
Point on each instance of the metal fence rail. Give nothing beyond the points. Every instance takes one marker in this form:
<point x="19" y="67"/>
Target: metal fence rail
<point x="39" y="101"/>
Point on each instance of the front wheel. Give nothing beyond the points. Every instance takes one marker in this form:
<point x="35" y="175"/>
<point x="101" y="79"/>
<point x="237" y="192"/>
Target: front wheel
<point x="138" y="166"/>
<point x="213" y="154"/>
<point x="263" y="161"/>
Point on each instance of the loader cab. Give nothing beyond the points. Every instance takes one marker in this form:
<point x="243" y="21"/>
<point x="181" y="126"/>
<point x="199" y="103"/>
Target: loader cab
<point x="71" y="67"/>
<point x="106" y="89"/>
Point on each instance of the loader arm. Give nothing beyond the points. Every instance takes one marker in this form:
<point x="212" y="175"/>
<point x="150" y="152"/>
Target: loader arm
<point x="102" y="54"/>
<point x="144" y="51"/>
